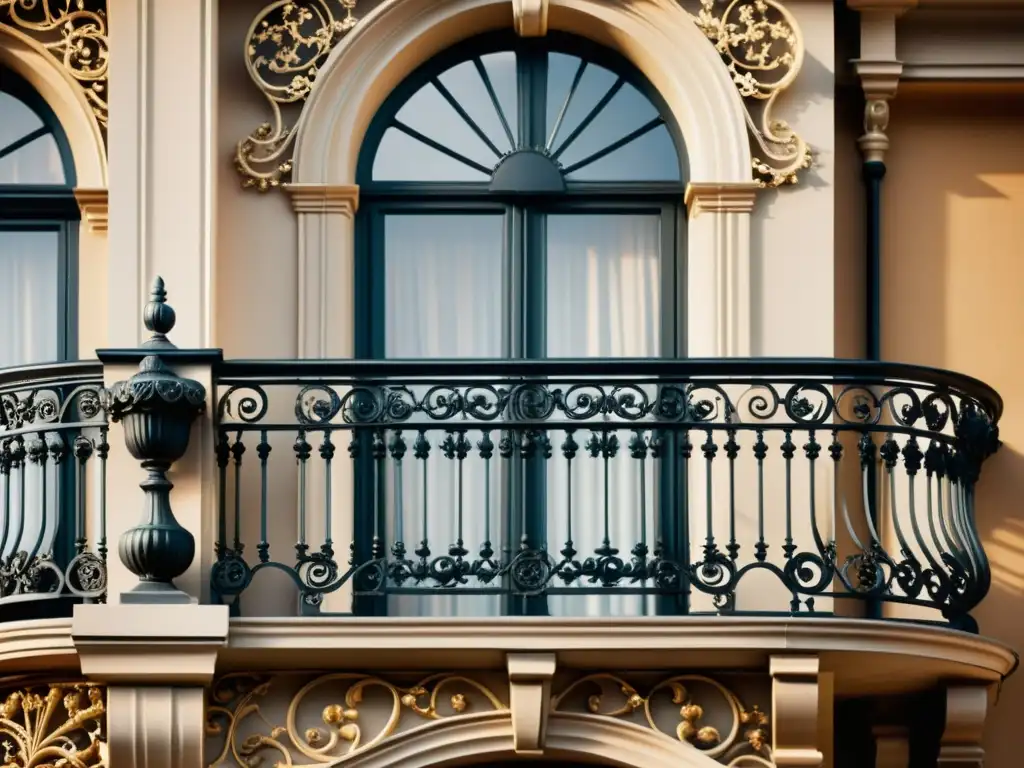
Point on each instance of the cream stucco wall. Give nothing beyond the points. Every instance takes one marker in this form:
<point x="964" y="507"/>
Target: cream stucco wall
<point x="952" y="271"/>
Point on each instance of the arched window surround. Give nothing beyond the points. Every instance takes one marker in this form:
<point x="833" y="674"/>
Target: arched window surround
<point x="663" y="43"/>
<point x="32" y="209"/>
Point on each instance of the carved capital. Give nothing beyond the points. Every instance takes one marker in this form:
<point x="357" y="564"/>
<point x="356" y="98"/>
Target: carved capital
<point x="529" y="679"/>
<point x="966" y="709"/>
<point x="720" y="198"/>
<point x="530" y="17"/>
<point x="93" y="205"/>
<point x="324" y="198"/>
<point x="795" y="708"/>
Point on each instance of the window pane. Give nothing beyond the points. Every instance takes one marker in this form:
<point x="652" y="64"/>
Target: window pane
<point x="651" y="157"/>
<point x="603" y="285"/>
<point x="29" y="311"/>
<point x="400" y="157"/>
<point x="432" y="115"/>
<point x="501" y="69"/>
<point x="16" y="119"/>
<point x="37" y="162"/>
<point x="467" y="86"/>
<point x="593" y="86"/>
<point x="445" y="286"/>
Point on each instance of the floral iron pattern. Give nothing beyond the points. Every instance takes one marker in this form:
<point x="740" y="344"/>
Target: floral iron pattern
<point x="289" y="41"/>
<point x="75" y="33"/>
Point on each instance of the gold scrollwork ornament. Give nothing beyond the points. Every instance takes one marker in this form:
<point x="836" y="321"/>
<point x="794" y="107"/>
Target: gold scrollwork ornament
<point x="761" y="45"/>
<point x="744" y="746"/>
<point x="285" y="46"/>
<point x="235" y="703"/>
<point x="33" y="735"/>
<point x="73" y="31"/>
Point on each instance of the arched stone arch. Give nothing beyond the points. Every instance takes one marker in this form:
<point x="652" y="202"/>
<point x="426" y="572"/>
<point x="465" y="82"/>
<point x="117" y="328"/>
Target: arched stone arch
<point x="484" y="737"/>
<point x="63" y="94"/>
<point x="658" y="36"/>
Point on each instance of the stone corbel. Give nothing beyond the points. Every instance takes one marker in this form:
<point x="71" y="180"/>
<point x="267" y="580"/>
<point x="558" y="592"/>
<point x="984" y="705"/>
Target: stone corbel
<point x="796" y="732"/>
<point x="878" y="69"/>
<point x="966" y="709"/>
<point x="529" y="679"/>
<point x="93" y="205"/>
<point x="892" y="746"/>
<point x="530" y="17"/>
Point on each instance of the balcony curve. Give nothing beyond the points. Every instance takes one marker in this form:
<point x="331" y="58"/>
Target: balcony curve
<point x="663" y="486"/>
<point x="53" y="451"/>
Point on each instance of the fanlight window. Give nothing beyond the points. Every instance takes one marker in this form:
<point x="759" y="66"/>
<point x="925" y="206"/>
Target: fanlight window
<point x="526" y="120"/>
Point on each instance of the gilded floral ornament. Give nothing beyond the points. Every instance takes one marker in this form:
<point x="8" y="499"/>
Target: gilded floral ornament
<point x="760" y="42"/>
<point x="346" y="727"/>
<point x="285" y="46"/>
<point x="744" y="745"/>
<point x="73" y="31"/>
<point x="59" y="726"/>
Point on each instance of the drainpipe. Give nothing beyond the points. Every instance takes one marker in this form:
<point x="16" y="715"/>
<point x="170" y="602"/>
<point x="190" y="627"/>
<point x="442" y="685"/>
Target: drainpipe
<point x="879" y="71"/>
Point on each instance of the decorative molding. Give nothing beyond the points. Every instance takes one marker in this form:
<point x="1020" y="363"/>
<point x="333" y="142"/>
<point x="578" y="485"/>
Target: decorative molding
<point x="720" y="198"/>
<point x="94" y="207"/>
<point x="745" y="743"/>
<point x="287" y="43"/>
<point x="795" y="710"/>
<point x="529" y="679"/>
<point x="234" y="707"/>
<point x="324" y="198"/>
<point x="961" y="744"/>
<point x="55" y="724"/>
<point x="76" y="35"/>
<point x="530" y="17"/>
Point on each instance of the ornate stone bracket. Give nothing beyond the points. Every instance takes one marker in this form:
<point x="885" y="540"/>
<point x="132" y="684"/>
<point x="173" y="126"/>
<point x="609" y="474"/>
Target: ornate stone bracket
<point x="94" y="207"/>
<point x="287" y="43"/>
<point x="529" y="679"/>
<point x="75" y="33"/>
<point x="966" y="710"/>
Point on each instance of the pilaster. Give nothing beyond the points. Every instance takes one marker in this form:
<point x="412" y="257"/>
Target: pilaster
<point x="718" y="275"/>
<point x="93" y="267"/>
<point x="796" y="711"/>
<point x="162" y="162"/>
<point x="156" y="661"/>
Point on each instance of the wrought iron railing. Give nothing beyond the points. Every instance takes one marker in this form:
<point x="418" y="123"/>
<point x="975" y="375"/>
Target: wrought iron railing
<point x="53" y="454"/>
<point x="614" y="487"/>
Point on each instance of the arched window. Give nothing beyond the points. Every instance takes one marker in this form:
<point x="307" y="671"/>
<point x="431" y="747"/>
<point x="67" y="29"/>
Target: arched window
<point x="520" y="199"/>
<point x="38" y="229"/>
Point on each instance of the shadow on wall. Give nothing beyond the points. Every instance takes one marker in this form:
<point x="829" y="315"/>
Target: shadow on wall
<point x="952" y="297"/>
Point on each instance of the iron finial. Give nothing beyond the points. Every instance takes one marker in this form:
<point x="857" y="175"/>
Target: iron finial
<point x="159" y="317"/>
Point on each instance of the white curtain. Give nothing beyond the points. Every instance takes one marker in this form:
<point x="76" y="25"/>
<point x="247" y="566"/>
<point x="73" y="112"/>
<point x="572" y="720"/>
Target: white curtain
<point x="28" y="334"/>
<point x="447" y="297"/>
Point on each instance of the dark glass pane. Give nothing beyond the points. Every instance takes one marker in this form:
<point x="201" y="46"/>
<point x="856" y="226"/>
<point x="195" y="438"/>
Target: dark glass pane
<point x="593" y="85"/>
<point x="445" y="286"/>
<point x="465" y="84"/>
<point x="400" y="157"/>
<point x="432" y="115"/>
<point x="652" y="157"/>
<point x="501" y="69"/>
<point x="29" y="312"/>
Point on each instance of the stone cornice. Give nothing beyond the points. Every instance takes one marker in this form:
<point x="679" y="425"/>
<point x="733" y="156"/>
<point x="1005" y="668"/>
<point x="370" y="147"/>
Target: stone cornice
<point x="94" y="207"/>
<point x="45" y="643"/>
<point x="324" y="198"/>
<point x="720" y="198"/>
<point x="900" y="655"/>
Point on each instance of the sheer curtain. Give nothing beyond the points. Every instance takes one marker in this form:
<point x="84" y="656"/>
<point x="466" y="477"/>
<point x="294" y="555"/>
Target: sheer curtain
<point x="445" y="298"/>
<point x="603" y="300"/>
<point x="28" y="334"/>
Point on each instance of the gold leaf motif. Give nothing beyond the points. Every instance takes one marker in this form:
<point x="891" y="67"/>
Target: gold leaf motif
<point x="234" y="705"/>
<point x="734" y="749"/>
<point x="285" y="46"/>
<point x="760" y="43"/>
<point x="75" y="33"/>
<point x="62" y="726"/>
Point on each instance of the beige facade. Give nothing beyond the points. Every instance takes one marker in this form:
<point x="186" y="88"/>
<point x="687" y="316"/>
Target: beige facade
<point x="773" y="552"/>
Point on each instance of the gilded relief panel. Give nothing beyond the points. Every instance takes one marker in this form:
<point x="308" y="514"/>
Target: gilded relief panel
<point x="295" y="719"/>
<point x="54" y="724"/>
